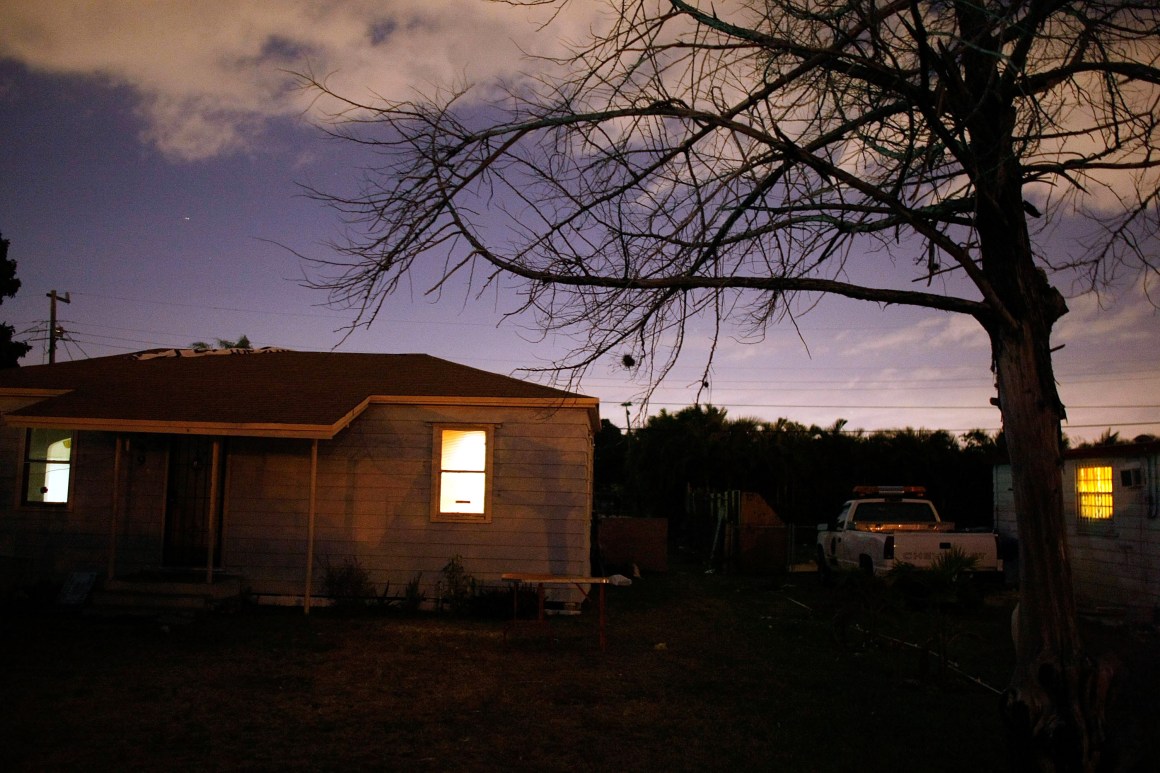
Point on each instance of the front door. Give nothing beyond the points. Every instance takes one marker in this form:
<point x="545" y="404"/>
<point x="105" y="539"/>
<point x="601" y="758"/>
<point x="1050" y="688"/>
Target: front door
<point x="188" y="506"/>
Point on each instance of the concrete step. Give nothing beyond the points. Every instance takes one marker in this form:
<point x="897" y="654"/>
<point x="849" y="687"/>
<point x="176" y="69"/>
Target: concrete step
<point x="153" y="595"/>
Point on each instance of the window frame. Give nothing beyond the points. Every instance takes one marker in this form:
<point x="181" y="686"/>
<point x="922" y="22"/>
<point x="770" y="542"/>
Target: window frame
<point x="28" y="461"/>
<point x="1095" y="495"/>
<point x="437" y="473"/>
<point x="1132" y="476"/>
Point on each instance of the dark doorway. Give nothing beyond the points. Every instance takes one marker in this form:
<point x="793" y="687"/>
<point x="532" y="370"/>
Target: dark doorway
<point x="187" y="506"/>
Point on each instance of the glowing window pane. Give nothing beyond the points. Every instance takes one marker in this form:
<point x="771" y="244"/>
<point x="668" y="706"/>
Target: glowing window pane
<point x="461" y="492"/>
<point x="463" y="471"/>
<point x="1093" y="487"/>
<point x="464" y="450"/>
<point x="47" y="466"/>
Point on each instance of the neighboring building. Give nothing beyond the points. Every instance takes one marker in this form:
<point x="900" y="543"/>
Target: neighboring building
<point x="1111" y="504"/>
<point x="270" y="464"/>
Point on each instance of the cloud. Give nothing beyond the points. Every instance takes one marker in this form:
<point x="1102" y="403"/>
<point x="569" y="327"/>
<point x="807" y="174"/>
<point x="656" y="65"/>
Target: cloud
<point x="1117" y="316"/>
<point x="210" y="75"/>
<point x="941" y="331"/>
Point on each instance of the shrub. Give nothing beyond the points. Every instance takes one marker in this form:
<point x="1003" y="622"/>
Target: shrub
<point x="349" y="585"/>
<point x="457" y="588"/>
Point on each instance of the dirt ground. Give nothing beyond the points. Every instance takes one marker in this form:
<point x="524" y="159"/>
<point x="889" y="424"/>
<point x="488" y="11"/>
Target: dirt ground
<point x="701" y="672"/>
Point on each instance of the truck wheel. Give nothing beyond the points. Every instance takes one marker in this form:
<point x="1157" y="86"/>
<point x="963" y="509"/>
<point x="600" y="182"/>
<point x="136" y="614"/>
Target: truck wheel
<point x="866" y="565"/>
<point x="824" y="572"/>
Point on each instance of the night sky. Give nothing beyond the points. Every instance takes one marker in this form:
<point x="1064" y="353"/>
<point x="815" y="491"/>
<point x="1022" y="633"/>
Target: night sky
<point x="151" y="157"/>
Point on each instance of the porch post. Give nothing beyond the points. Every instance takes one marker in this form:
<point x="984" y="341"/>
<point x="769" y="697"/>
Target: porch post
<point x="214" y="485"/>
<point x="115" y="510"/>
<point x="310" y="526"/>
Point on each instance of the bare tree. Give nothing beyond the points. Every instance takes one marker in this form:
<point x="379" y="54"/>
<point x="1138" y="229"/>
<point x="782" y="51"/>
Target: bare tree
<point x="730" y="161"/>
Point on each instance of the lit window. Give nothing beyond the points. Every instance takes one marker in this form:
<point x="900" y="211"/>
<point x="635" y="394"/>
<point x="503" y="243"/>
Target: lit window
<point x="47" y="466"/>
<point x="1093" y="486"/>
<point x="461" y="482"/>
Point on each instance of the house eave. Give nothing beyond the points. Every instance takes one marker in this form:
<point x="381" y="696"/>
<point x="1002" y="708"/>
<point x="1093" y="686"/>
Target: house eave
<point x="294" y="431"/>
<point x="29" y="392"/>
<point x="589" y="404"/>
<point x="221" y="429"/>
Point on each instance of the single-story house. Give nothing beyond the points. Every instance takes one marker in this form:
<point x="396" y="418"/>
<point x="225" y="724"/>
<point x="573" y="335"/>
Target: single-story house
<point x="268" y="465"/>
<point x="1112" y="508"/>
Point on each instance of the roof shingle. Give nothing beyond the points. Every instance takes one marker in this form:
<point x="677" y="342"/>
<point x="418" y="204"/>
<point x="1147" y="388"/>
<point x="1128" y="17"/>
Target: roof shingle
<point x="260" y="390"/>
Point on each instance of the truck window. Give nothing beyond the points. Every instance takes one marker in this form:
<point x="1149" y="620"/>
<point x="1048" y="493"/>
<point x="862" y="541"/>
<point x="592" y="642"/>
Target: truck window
<point x="843" y="515"/>
<point x="893" y="512"/>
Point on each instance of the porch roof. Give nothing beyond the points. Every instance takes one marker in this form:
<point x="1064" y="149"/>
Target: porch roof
<point x="264" y="392"/>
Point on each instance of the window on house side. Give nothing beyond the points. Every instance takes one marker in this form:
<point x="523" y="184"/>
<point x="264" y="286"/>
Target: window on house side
<point x="463" y="467"/>
<point x="1093" y="486"/>
<point x="1131" y="477"/>
<point x="47" y="466"/>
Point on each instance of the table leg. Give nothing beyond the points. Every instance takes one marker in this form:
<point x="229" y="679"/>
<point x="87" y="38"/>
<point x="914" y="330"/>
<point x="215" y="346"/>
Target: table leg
<point x="602" y="617"/>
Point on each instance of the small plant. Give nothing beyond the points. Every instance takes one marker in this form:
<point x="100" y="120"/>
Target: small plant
<point x="948" y="582"/>
<point x="348" y="585"/>
<point x="413" y="596"/>
<point x="866" y="603"/>
<point x="949" y="579"/>
<point x="457" y="588"/>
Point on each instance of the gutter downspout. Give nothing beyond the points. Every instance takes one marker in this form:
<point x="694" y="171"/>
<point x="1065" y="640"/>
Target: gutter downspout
<point x="214" y="486"/>
<point x="115" y="513"/>
<point x="1153" y="488"/>
<point x="310" y="526"/>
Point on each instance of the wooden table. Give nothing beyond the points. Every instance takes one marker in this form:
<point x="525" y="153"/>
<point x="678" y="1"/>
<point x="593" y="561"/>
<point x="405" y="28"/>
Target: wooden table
<point x="516" y="579"/>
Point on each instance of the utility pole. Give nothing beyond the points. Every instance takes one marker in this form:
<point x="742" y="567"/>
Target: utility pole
<point x="53" y="331"/>
<point x="627" y="420"/>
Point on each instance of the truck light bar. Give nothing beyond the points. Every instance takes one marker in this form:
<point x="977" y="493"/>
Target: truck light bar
<point x="889" y="491"/>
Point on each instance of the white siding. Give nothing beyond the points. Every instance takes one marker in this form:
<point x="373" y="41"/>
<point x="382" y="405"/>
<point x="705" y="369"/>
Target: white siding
<point x="373" y="503"/>
<point x="374" y="506"/>
<point x="1115" y="566"/>
<point x="1004" y="499"/>
<point x="49" y="542"/>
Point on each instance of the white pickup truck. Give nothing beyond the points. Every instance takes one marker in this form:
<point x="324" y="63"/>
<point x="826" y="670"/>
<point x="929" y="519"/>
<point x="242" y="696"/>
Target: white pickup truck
<point x="888" y="525"/>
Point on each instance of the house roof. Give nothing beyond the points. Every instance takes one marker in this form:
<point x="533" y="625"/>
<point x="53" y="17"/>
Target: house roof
<point x="1138" y="448"/>
<point x="264" y="392"/>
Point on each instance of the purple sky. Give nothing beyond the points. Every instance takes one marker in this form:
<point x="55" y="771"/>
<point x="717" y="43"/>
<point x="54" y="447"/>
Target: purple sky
<point x="149" y="156"/>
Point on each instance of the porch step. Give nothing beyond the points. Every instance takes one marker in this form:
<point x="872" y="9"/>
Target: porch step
<point x="134" y="596"/>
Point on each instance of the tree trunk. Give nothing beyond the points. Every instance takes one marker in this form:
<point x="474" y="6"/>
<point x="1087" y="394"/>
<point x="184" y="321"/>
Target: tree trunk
<point x="1054" y="707"/>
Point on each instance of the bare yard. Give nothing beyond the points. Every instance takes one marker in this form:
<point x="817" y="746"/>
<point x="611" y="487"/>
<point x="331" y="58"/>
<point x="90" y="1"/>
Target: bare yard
<point x="701" y="673"/>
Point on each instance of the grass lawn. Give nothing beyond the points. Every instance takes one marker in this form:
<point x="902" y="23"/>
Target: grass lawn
<point x="701" y="672"/>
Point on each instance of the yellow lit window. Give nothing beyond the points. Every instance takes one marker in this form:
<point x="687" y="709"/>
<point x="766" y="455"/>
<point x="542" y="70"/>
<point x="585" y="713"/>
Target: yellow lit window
<point x="1093" y="486"/>
<point x="461" y="483"/>
<point x="47" y="466"/>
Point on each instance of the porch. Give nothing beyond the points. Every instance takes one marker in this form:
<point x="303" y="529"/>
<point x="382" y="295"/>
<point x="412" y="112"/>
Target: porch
<point x="166" y="591"/>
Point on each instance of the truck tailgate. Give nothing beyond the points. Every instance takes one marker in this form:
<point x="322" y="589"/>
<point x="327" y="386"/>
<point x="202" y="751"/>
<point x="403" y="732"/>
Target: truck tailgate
<point x="922" y="548"/>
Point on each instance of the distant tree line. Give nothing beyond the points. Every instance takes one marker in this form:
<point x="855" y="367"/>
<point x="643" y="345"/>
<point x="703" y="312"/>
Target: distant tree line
<point x="224" y="343"/>
<point x="11" y="350"/>
<point x="804" y="472"/>
<point x="1112" y="438"/>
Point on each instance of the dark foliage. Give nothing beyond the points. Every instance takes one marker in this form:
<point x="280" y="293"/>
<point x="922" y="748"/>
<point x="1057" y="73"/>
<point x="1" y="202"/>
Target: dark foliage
<point x="10" y="350"/>
<point x="805" y="473"/>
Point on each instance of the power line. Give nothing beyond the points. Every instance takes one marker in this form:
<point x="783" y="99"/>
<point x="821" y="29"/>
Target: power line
<point x="899" y="407"/>
<point x="87" y="336"/>
<point x="344" y="318"/>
